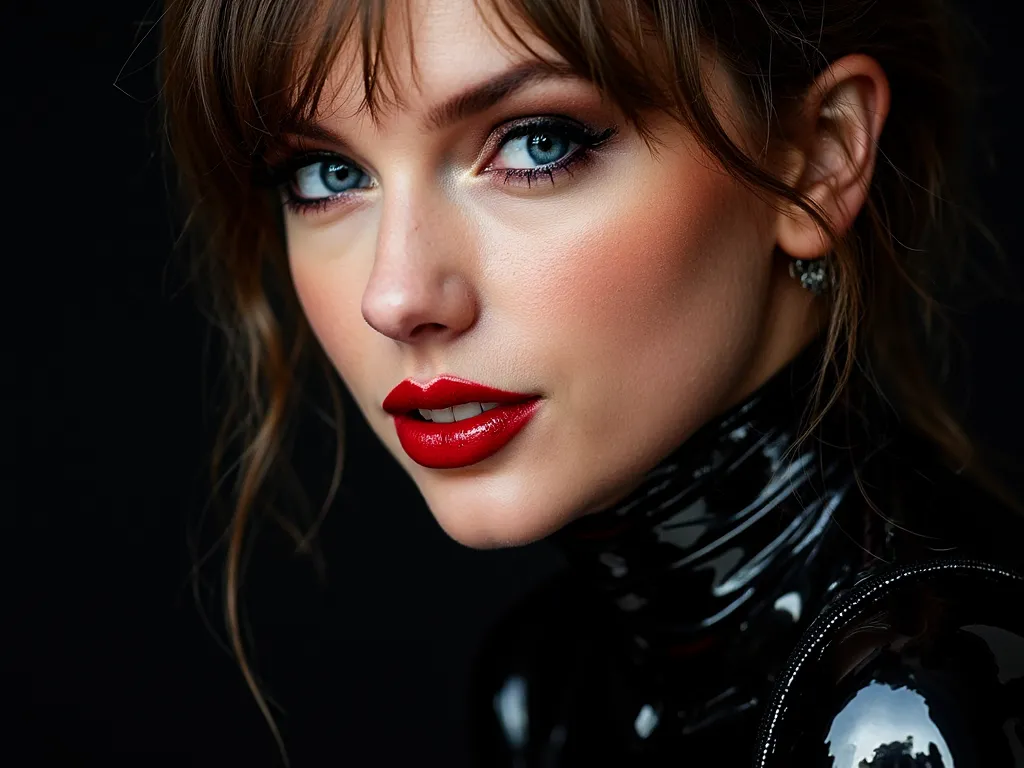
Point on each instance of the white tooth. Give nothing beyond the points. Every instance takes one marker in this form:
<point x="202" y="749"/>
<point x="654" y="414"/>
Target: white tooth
<point x="488" y="406"/>
<point x="466" y="411"/>
<point x="442" y="416"/>
<point x="425" y="413"/>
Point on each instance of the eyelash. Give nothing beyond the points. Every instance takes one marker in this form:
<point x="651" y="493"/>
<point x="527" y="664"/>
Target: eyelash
<point x="586" y="139"/>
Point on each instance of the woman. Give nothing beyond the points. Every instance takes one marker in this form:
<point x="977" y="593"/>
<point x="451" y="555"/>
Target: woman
<point x="657" y="279"/>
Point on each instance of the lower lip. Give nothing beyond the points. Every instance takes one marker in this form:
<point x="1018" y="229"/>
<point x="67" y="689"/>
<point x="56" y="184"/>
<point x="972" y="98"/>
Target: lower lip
<point x="466" y="442"/>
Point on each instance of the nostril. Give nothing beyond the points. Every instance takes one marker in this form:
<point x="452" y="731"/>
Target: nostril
<point x="426" y="328"/>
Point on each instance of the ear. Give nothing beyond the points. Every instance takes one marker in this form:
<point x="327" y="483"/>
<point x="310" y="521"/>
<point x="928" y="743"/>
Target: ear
<point x="832" y="159"/>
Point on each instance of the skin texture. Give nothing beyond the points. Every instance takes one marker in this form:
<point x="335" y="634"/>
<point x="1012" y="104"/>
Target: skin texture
<point x="639" y="296"/>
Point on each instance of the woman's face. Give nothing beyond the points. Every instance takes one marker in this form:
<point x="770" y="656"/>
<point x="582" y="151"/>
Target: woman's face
<point x="508" y="228"/>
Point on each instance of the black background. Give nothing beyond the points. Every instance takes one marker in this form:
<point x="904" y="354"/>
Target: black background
<point x="369" y="667"/>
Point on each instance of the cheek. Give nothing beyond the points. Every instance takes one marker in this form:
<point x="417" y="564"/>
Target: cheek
<point x="655" y="280"/>
<point x="330" y="272"/>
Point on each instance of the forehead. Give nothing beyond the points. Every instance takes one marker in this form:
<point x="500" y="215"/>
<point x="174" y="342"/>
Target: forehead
<point x="430" y="50"/>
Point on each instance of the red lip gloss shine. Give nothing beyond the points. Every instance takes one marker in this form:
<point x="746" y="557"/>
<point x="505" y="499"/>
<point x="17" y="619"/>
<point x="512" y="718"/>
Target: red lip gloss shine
<point x="457" y="444"/>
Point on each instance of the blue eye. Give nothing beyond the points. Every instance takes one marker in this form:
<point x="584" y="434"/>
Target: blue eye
<point x="546" y="146"/>
<point x="328" y="178"/>
<point x="539" y="147"/>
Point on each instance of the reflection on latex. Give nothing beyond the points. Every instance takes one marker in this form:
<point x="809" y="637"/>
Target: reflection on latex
<point x="510" y="705"/>
<point x="881" y="720"/>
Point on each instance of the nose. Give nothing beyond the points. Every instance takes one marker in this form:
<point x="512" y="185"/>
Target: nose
<point x="419" y="289"/>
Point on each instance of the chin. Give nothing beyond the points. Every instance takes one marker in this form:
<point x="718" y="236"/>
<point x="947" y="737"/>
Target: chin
<point x="482" y="520"/>
<point x="489" y="507"/>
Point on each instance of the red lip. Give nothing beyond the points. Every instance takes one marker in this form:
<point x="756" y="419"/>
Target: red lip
<point x="458" y="444"/>
<point x="444" y="392"/>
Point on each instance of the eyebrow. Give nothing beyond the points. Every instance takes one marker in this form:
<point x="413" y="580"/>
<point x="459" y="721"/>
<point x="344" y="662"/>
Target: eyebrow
<point x="474" y="100"/>
<point x="481" y="97"/>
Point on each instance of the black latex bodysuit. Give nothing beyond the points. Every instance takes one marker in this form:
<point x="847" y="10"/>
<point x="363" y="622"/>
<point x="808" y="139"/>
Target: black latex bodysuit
<point x="745" y="606"/>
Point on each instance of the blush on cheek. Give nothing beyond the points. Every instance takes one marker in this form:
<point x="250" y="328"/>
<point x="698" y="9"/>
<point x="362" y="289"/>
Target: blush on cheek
<point x="644" y="306"/>
<point x="661" y="255"/>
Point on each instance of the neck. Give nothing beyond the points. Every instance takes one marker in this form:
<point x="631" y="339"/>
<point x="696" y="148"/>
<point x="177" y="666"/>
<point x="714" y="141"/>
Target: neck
<point x="733" y="541"/>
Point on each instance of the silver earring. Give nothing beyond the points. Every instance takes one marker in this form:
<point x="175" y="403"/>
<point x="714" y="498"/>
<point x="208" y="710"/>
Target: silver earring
<point x="813" y="274"/>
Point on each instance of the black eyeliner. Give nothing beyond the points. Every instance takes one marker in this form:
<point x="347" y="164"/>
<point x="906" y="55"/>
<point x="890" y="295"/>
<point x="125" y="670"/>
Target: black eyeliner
<point x="282" y="174"/>
<point x="588" y="140"/>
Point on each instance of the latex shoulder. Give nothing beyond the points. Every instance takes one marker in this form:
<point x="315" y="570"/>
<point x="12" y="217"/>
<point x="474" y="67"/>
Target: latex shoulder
<point x="921" y="662"/>
<point x="916" y="665"/>
<point x="925" y="647"/>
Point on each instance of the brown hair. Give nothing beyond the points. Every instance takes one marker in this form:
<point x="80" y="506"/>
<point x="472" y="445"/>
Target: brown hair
<point x="238" y="75"/>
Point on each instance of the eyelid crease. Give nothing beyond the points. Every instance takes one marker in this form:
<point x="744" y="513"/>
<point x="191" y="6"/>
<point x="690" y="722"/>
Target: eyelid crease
<point x="579" y="133"/>
<point x="284" y="171"/>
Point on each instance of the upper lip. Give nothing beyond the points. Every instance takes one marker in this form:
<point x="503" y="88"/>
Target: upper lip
<point x="444" y="392"/>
